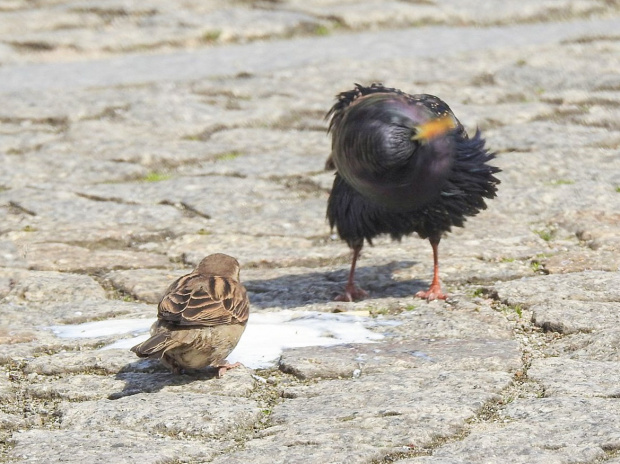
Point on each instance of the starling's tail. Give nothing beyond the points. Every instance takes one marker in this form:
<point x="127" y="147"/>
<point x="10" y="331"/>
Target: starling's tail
<point x="471" y="169"/>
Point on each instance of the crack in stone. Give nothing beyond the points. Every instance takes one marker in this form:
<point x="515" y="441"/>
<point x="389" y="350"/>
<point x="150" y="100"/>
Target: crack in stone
<point x="300" y="183"/>
<point x="32" y="45"/>
<point x="591" y="39"/>
<point x="113" y="290"/>
<point x="60" y="122"/>
<point x="185" y="207"/>
<point x="35" y="412"/>
<point x="92" y="197"/>
<point x="110" y="14"/>
<point x="611" y="452"/>
<point x="316" y="25"/>
<point x="234" y="174"/>
<point x="127" y="242"/>
<point x="109" y="112"/>
<point x="206" y="134"/>
<point x="21" y="209"/>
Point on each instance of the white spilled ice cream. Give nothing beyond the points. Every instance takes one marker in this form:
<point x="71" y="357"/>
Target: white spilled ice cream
<point x="265" y="336"/>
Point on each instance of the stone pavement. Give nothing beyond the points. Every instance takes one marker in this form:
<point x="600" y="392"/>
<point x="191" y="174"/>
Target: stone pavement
<point x="137" y="137"/>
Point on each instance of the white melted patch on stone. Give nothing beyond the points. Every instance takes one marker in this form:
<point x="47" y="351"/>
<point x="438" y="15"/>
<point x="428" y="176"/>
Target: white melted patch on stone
<point x="265" y="336"/>
<point x="104" y="328"/>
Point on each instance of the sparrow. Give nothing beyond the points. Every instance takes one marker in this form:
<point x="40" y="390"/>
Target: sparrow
<point x="200" y="318"/>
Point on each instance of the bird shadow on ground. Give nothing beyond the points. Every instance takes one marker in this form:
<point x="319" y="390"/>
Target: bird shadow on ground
<point x="291" y="291"/>
<point x="149" y="376"/>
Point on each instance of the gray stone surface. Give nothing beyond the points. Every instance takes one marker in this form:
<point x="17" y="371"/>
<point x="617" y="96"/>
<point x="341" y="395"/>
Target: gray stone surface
<point x="108" y="361"/>
<point x="355" y="360"/>
<point x="354" y="421"/>
<point x="547" y="430"/>
<point x="578" y="302"/>
<point x="603" y="347"/>
<point x="580" y="378"/>
<point x="134" y="379"/>
<point x="138" y="137"/>
<point x="178" y="414"/>
<point x="97" y="446"/>
<point x="146" y="285"/>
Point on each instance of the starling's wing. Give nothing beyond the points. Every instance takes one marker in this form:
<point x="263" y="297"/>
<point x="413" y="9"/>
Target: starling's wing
<point x="201" y="300"/>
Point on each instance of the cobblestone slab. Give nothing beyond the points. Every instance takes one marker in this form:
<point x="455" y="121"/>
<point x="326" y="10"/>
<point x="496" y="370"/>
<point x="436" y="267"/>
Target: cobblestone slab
<point x="354" y="420"/>
<point x="184" y="414"/>
<point x="567" y="377"/>
<point x="122" y="446"/>
<point x="541" y="431"/>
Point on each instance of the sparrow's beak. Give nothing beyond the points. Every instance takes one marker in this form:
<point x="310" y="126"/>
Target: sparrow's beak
<point x="433" y="128"/>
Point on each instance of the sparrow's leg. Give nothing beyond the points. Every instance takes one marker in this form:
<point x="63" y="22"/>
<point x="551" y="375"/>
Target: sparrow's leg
<point x="223" y="367"/>
<point x="171" y="364"/>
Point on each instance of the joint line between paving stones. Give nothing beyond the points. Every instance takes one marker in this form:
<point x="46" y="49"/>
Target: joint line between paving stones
<point x="487" y="413"/>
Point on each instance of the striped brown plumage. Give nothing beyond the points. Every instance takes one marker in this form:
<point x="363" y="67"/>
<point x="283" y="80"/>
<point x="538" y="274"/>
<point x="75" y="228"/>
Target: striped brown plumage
<point x="200" y="318"/>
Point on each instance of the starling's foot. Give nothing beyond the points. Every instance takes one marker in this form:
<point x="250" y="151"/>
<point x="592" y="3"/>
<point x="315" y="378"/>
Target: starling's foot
<point x="222" y="368"/>
<point x="433" y="293"/>
<point x="352" y="293"/>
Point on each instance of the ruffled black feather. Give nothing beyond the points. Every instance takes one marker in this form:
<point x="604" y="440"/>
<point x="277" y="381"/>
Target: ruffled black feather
<point x="469" y="182"/>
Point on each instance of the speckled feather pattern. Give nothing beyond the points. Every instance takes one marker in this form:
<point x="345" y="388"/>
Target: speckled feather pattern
<point x="200" y="318"/>
<point x="198" y="299"/>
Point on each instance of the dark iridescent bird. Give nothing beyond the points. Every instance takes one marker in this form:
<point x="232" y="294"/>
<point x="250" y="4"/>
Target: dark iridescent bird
<point x="404" y="164"/>
<point x="200" y="318"/>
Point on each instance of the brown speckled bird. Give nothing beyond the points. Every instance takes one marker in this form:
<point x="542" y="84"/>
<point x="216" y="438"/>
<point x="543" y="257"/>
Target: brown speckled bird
<point x="404" y="164"/>
<point x="200" y="318"/>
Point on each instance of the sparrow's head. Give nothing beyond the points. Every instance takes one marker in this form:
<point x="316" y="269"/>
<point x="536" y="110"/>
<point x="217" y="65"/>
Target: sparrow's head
<point x="219" y="264"/>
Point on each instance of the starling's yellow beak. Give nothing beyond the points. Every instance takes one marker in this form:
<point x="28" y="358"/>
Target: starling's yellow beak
<point x="434" y="128"/>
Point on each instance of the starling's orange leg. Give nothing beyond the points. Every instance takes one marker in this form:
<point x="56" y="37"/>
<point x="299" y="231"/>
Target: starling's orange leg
<point x="222" y="368"/>
<point x="434" y="292"/>
<point x="351" y="291"/>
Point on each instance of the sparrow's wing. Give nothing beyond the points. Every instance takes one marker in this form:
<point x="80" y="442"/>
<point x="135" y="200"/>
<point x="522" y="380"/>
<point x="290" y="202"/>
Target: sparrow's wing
<point x="201" y="300"/>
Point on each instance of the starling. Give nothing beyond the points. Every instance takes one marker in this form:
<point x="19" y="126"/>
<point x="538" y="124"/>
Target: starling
<point x="200" y="318"/>
<point x="404" y="164"/>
